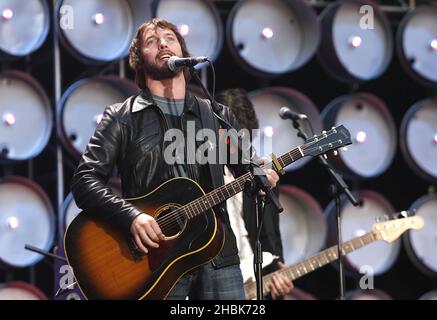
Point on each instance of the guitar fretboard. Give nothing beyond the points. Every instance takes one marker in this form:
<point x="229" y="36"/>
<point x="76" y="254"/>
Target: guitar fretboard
<point x="315" y="262"/>
<point x="221" y="194"/>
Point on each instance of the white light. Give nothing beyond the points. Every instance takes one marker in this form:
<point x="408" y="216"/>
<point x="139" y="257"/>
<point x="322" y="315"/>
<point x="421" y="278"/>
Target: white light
<point x="404" y="214"/>
<point x="361" y="137"/>
<point x="359" y="233"/>
<point x="184" y="30"/>
<point x="13" y="223"/>
<point x="98" y="118"/>
<point x="269" y="131"/>
<point x="98" y="18"/>
<point x="355" y="41"/>
<point x="435" y="138"/>
<point x="344" y="149"/>
<point x="7" y="14"/>
<point x="433" y="44"/>
<point x="267" y="33"/>
<point x="9" y="119"/>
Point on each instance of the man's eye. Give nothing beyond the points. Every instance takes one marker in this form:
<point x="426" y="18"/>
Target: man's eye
<point x="150" y="42"/>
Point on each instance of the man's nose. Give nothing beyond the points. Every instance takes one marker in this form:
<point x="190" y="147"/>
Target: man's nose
<point x="162" y="43"/>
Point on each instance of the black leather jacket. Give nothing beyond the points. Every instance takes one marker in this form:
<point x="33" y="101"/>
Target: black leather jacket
<point x="130" y="137"/>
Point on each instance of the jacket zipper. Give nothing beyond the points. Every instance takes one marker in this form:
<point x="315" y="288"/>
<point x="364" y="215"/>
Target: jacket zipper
<point x="164" y="123"/>
<point x="190" y="170"/>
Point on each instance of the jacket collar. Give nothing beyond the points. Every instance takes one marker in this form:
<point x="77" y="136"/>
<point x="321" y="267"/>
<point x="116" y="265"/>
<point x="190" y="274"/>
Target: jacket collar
<point x="145" y="100"/>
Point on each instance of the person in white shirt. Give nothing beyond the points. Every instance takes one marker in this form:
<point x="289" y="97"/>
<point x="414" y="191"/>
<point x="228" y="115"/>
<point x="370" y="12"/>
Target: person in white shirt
<point x="241" y="209"/>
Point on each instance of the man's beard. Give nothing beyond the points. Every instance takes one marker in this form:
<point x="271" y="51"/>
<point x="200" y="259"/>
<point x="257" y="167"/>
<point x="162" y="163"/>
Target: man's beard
<point x="157" y="72"/>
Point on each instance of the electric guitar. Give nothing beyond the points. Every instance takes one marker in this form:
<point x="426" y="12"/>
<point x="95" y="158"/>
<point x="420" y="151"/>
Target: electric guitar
<point x="388" y="231"/>
<point x="106" y="262"/>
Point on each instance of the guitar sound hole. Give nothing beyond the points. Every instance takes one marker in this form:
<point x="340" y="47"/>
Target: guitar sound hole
<point x="171" y="223"/>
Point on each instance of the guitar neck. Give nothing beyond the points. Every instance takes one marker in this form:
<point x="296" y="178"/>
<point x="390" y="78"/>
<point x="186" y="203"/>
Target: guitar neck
<point x="221" y="194"/>
<point x="311" y="264"/>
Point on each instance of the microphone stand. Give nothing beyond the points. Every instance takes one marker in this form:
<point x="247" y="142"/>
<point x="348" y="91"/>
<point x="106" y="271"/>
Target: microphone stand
<point x="337" y="187"/>
<point x="251" y="187"/>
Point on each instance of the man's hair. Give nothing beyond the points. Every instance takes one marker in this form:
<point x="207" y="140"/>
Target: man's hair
<point x="241" y="106"/>
<point x="136" y="60"/>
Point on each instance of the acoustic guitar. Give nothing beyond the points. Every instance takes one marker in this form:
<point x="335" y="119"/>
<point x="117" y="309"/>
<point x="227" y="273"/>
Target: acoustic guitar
<point x="106" y="262"/>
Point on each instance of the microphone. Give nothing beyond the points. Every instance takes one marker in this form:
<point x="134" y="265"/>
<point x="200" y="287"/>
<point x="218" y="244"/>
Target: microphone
<point x="287" y="113"/>
<point x="174" y="63"/>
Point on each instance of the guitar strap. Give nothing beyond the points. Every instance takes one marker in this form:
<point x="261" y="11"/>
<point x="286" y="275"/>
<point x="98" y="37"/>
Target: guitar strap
<point x="209" y="121"/>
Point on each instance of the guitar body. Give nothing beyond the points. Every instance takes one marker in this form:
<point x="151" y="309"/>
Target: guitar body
<point x="106" y="264"/>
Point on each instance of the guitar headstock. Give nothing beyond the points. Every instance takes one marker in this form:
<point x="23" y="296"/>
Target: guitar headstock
<point x="328" y="140"/>
<point x="390" y="230"/>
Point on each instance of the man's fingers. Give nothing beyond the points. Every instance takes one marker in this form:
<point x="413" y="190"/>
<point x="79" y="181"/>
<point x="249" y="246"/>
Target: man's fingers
<point x="151" y="233"/>
<point x="140" y="244"/>
<point x="157" y="230"/>
<point x="146" y="240"/>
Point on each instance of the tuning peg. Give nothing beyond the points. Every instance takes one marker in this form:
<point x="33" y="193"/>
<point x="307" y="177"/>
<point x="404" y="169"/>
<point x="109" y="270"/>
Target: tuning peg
<point x="335" y="153"/>
<point x="334" y="130"/>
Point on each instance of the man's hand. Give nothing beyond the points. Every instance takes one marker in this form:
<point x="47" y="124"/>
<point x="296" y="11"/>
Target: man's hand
<point x="271" y="175"/>
<point x="280" y="284"/>
<point x="146" y="232"/>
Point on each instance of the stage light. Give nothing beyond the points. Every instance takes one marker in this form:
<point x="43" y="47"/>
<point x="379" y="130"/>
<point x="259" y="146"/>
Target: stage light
<point x="26" y="116"/>
<point x="267" y="33"/>
<point x="359" y="233"/>
<point x="81" y="108"/>
<point x="374" y="294"/>
<point x="361" y="136"/>
<point x="19" y="290"/>
<point x="433" y="44"/>
<point x="24" y="28"/>
<point x="184" y="30"/>
<point x="103" y="30"/>
<point x="269" y="131"/>
<point x="430" y="295"/>
<point x="199" y="22"/>
<point x="356" y="41"/>
<point x="98" y="18"/>
<point x="7" y="14"/>
<point x="302" y="224"/>
<point x="379" y="255"/>
<point x="418" y="138"/>
<point x="371" y="125"/>
<point x="267" y="103"/>
<point x="417" y="44"/>
<point x="290" y="26"/>
<point x="9" y="119"/>
<point x="420" y="245"/>
<point x="351" y="50"/>
<point x="13" y="223"/>
<point x="29" y="218"/>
